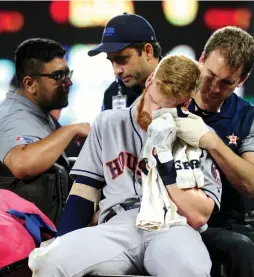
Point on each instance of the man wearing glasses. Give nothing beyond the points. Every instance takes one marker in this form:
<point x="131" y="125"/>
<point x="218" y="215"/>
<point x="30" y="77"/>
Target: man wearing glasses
<point x="30" y="143"/>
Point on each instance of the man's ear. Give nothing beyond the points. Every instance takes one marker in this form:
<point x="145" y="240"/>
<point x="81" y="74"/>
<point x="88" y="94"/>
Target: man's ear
<point x="202" y="57"/>
<point x="29" y="84"/>
<point x="242" y="80"/>
<point x="148" y="49"/>
<point x="149" y="80"/>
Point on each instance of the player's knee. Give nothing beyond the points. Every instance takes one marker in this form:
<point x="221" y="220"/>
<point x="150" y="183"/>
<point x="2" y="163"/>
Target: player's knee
<point x="196" y="269"/>
<point x="188" y="268"/>
<point x="112" y="268"/>
<point x="184" y="266"/>
<point x="43" y="263"/>
<point x="41" y="266"/>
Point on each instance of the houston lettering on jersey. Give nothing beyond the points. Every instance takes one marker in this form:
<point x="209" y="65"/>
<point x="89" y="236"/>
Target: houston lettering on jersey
<point x="124" y="160"/>
<point x="128" y="160"/>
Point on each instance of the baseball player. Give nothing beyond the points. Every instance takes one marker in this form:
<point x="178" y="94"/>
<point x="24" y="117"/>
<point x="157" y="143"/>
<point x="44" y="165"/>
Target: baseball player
<point x="111" y="161"/>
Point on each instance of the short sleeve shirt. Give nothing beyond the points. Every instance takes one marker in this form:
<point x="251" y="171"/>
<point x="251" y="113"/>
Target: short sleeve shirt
<point x="115" y="150"/>
<point x="21" y="122"/>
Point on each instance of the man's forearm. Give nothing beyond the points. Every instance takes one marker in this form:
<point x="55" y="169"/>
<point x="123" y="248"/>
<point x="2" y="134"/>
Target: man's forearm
<point x="194" y="204"/>
<point x="36" y="158"/>
<point x="237" y="170"/>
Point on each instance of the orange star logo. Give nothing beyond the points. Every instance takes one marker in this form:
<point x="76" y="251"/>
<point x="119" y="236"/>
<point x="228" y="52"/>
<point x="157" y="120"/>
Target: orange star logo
<point x="233" y="139"/>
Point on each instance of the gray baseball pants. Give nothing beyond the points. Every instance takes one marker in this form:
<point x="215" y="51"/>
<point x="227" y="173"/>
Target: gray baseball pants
<point x="118" y="247"/>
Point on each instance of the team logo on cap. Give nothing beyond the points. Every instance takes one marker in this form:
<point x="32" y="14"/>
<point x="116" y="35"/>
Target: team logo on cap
<point x="109" y="31"/>
<point x="233" y="139"/>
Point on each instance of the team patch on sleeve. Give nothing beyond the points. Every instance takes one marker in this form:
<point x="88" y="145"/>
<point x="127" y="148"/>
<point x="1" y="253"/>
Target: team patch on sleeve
<point x="216" y="175"/>
<point x="23" y="138"/>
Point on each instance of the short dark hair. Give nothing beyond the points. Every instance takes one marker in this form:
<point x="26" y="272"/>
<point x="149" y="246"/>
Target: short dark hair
<point x="139" y="46"/>
<point x="235" y="45"/>
<point x="32" y="54"/>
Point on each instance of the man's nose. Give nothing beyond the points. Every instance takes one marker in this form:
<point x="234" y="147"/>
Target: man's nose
<point x="67" y="82"/>
<point x="215" y="86"/>
<point x="118" y="70"/>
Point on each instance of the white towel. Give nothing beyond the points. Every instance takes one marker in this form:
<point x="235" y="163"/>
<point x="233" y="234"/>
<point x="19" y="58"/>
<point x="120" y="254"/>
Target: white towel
<point x="152" y="203"/>
<point x="155" y="199"/>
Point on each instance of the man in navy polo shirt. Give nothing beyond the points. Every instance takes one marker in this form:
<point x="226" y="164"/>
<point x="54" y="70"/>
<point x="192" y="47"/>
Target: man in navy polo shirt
<point x="226" y="63"/>
<point x="132" y="47"/>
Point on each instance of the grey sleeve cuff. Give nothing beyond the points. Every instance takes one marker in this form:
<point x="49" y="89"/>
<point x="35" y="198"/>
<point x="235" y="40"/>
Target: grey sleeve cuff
<point x="213" y="196"/>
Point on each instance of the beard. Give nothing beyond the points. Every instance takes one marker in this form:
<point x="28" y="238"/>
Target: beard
<point x="62" y="96"/>
<point x="58" y="100"/>
<point x="143" y="118"/>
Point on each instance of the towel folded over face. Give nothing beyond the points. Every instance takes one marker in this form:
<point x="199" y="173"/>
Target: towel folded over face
<point x="157" y="209"/>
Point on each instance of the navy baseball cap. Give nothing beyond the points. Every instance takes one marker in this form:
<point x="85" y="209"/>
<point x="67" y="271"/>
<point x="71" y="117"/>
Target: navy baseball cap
<point x="123" y="30"/>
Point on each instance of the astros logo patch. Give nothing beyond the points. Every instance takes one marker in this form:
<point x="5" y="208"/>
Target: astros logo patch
<point x="216" y="175"/>
<point x="232" y="139"/>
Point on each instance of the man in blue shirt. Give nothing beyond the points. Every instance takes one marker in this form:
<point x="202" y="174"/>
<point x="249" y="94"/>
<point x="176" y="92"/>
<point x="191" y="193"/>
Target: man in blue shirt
<point x="226" y="63"/>
<point x="134" y="51"/>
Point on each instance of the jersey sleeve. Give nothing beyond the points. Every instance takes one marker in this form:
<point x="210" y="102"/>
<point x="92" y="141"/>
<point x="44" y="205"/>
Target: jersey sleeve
<point x="212" y="181"/>
<point x="18" y="130"/>
<point x="88" y="169"/>
<point x="247" y="144"/>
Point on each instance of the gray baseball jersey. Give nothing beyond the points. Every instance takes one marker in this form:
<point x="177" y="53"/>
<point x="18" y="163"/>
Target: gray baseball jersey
<point x="21" y="122"/>
<point x="110" y="159"/>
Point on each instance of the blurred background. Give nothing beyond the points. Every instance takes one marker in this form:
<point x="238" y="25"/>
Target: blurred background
<point x="182" y="26"/>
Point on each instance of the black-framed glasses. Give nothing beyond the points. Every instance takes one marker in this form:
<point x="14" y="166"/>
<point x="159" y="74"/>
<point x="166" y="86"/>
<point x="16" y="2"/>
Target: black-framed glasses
<point x="60" y="76"/>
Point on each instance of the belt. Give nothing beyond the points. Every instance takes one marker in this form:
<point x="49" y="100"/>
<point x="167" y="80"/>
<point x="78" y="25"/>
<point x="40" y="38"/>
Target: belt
<point x="126" y="206"/>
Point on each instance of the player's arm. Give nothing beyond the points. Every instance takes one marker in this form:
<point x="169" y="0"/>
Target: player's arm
<point x="89" y="179"/>
<point x="239" y="170"/>
<point x="32" y="159"/>
<point x="195" y="204"/>
<point x="80" y="207"/>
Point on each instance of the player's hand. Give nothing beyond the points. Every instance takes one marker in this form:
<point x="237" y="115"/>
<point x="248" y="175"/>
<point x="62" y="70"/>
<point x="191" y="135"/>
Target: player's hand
<point x="82" y="129"/>
<point x="162" y="134"/>
<point x="191" y="129"/>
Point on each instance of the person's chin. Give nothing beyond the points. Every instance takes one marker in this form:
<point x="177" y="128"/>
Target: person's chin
<point x="63" y="104"/>
<point x="205" y="98"/>
<point x="130" y="82"/>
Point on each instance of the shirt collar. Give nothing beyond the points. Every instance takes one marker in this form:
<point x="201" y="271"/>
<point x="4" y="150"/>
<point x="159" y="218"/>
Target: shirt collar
<point x="227" y="109"/>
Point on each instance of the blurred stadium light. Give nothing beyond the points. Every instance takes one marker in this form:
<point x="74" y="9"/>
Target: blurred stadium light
<point x="185" y="50"/>
<point x="215" y="18"/>
<point x="182" y="26"/>
<point x="180" y="12"/>
<point x="11" y="21"/>
<point x="88" y="13"/>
